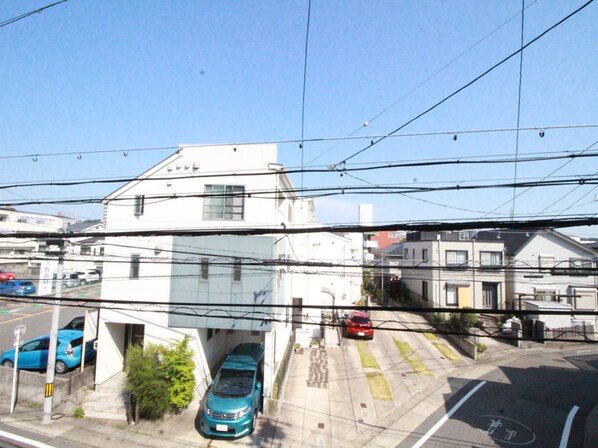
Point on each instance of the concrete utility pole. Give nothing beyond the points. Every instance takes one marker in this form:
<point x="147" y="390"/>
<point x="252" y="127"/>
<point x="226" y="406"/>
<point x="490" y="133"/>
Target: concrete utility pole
<point x="55" y="247"/>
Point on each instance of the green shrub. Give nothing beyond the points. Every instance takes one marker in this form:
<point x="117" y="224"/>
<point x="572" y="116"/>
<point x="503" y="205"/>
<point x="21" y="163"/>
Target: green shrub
<point x="480" y="347"/>
<point x="79" y="413"/>
<point x="435" y="318"/>
<point x="462" y="321"/>
<point x="160" y="379"/>
<point x="145" y="382"/>
<point x="177" y="367"/>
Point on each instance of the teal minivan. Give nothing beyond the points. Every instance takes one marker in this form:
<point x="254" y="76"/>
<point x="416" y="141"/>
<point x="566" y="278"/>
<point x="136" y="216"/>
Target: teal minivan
<point x="235" y="397"/>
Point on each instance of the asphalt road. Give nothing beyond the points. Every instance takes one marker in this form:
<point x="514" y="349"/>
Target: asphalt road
<point x="537" y="401"/>
<point x="37" y="317"/>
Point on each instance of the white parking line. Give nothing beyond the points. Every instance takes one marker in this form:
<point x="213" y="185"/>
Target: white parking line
<point x="446" y="416"/>
<point x="567" y="428"/>
<point x="25" y="440"/>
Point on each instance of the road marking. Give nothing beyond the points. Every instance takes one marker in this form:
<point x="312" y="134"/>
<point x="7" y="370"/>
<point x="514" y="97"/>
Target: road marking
<point x="25" y="316"/>
<point x="25" y="440"/>
<point x="567" y="428"/>
<point x="446" y="416"/>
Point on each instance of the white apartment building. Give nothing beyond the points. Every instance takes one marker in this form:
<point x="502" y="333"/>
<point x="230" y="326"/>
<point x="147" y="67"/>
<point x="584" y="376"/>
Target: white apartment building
<point x="218" y="289"/>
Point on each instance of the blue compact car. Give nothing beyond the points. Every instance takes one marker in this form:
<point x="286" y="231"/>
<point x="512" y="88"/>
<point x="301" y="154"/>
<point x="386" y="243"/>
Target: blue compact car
<point x="233" y="401"/>
<point x="17" y="288"/>
<point x="33" y="354"/>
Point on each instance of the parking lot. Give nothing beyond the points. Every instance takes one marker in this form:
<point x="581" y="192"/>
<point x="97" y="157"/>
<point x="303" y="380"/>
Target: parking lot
<point x="37" y="317"/>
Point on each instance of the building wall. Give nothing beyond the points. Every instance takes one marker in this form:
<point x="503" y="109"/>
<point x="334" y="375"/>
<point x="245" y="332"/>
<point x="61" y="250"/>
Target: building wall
<point x="179" y="283"/>
<point x="469" y="279"/>
<point x="531" y="279"/>
<point x="327" y="286"/>
<point x="260" y="209"/>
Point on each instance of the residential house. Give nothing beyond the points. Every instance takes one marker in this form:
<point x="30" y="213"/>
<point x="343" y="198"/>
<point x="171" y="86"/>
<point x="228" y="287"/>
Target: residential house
<point x="85" y="252"/>
<point x="454" y="269"/>
<point x="219" y="290"/>
<point x="18" y="254"/>
<point x="546" y="265"/>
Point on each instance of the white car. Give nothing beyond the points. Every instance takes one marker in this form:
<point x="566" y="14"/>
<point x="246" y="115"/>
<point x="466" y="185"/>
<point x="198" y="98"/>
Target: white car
<point x="88" y="276"/>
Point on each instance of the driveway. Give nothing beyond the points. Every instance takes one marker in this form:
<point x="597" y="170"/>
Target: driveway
<point x="335" y="395"/>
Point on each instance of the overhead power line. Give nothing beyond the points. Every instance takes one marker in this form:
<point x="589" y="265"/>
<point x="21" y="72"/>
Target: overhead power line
<point x="570" y="221"/>
<point x="30" y="13"/>
<point x="35" y="157"/>
<point x="468" y="160"/>
<point x="315" y="192"/>
<point x="468" y="84"/>
<point x="254" y="312"/>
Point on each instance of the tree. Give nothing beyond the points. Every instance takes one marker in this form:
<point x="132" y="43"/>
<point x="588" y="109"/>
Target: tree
<point x="160" y="378"/>
<point x="149" y="389"/>
<point x="177" y="367"/>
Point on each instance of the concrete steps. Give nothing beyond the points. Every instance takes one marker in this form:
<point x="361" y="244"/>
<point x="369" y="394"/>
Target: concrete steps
<point x="109" y="400"/>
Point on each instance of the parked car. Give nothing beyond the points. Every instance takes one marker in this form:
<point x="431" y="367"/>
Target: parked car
<point x="5" y="275"/>
<point x="70" y="280"/>
<point x="33" y="354"/>
<point x="358" y="324"/>
<point x="17" y="288"/>
<point x="234" y="399"/>
<point x="88" y="276"/>
<point x="77" y="323"/>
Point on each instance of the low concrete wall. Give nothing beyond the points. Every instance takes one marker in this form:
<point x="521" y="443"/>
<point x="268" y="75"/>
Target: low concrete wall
<point x="31" y="386"/>
<point x="468" y="347"/>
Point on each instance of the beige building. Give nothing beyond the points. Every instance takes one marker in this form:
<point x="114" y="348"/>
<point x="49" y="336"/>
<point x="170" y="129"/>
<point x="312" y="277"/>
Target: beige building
<point x="454" y="269"/>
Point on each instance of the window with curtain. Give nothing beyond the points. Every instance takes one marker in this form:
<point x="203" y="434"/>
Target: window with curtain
<point x="452" y="295"/>
<point x="456" y="257"/>
<point x="224" y="203"/>
<point x="490" y="258"/>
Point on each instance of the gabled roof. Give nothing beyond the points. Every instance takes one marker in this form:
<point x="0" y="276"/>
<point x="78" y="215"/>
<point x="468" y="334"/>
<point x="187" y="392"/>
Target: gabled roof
<point x="83" y="225"/>
<point x="515" y="241"/>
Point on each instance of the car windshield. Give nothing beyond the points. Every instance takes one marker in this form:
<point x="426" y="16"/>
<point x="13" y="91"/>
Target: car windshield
<point x="234" y="383"/>
<point x="361" y="320"/>
<point x="26" y="283"/>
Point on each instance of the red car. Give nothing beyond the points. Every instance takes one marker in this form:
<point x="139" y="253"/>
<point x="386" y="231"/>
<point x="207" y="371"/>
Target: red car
<point x="5" y="275"/>
<point x="358" y="324"/>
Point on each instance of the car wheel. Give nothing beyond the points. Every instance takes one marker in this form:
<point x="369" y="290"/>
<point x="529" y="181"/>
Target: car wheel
<point x="253" y="420"/>
<point x="60" y="367"/>
<point x="13" y="293"/>
<point x="7" y="363"/>
<point x="83" y="282"/>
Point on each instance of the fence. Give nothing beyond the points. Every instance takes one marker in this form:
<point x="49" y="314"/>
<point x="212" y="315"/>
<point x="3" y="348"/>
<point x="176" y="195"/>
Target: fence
<point x="581" y="332"/>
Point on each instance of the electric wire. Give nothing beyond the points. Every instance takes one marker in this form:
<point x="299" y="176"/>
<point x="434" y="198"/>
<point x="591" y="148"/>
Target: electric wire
<point x="468" y="84"/>
<point x="125" y="151"/>
<point x="30" y="13"/>
<point x="518" y="103"/>
<point x="463" y="161"/>
<point x="421" y="84"/>
<point x="302" y="144"/>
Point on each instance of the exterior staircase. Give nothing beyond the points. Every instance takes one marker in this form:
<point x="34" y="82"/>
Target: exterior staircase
<point x="109" y="400"/>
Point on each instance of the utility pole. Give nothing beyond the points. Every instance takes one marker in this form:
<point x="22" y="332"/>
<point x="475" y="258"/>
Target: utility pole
<point x="54" y="247"/>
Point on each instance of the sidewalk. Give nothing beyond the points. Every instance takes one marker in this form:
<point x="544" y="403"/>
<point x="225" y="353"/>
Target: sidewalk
<point x="173" y="432"/>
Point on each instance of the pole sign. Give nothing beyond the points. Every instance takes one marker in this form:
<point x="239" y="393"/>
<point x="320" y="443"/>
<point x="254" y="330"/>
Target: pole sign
<point x="19" y="330"/>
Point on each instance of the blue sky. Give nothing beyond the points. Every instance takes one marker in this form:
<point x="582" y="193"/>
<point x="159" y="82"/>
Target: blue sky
<point x="88" y="75"/>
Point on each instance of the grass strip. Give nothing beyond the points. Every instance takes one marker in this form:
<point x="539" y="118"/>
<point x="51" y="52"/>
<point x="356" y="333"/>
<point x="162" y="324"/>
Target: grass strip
<point x="379" y="386"/>
<point x="367" y="359"/>
<point x="431" y="336"/>
<point x="411" y="358"/>
<point x="446" y="351"/>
